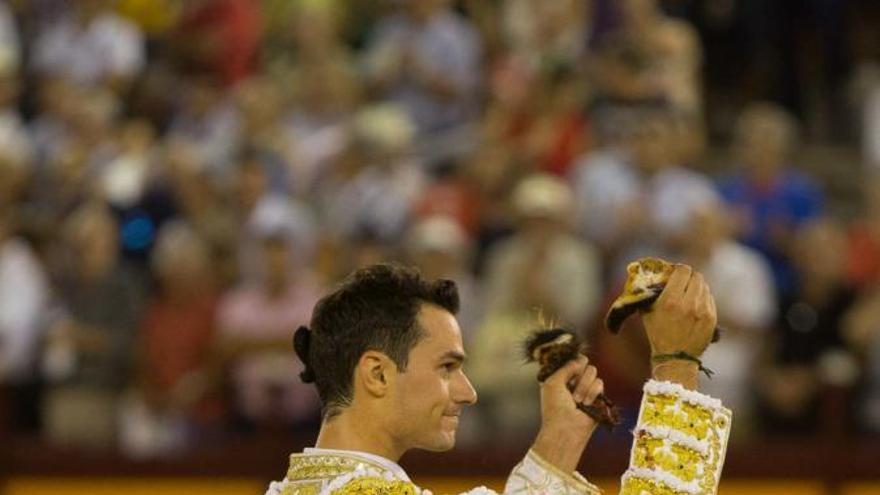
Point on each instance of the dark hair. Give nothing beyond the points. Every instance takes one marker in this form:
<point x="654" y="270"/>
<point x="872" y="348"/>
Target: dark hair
<point x="375" y="308"/>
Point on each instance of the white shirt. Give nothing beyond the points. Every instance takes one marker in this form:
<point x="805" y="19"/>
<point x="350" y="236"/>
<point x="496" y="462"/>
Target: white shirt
<point x="674" y="194"/>
<point x="604" y="182"/>
<point x="376" y="200"/>
<point x="15" y="141"/>
<point x="742" y="284"/>
<point x="10" y="47"/>
<point x="871" y="136"/>
<point x="23" y="296"/>
<point x="108" y="46"/>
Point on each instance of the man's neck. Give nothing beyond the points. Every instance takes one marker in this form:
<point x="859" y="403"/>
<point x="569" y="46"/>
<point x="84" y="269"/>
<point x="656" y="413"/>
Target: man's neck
<point x="347" y="431"/>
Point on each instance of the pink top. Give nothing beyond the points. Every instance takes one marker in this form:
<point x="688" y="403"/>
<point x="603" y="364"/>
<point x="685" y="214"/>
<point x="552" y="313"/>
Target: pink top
<point x="267" y="381"/>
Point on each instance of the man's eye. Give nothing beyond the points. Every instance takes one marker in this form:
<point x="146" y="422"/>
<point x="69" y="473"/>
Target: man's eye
<point x="450" y="366"/>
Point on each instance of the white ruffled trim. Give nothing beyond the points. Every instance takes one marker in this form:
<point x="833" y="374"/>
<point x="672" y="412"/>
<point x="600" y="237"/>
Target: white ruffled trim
<point x="277" y="487"/>
<point x="480" y="490"/>
<point x="663" y="477"/>
<point x="675" y="436"/>
<point x="693" y="397"/>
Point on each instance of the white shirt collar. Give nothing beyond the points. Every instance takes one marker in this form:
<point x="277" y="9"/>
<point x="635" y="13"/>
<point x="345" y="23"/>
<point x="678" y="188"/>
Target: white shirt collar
<point x="392" y="466"/>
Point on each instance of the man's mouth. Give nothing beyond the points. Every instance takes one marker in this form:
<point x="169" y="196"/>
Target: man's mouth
<point x="452" y="416"/>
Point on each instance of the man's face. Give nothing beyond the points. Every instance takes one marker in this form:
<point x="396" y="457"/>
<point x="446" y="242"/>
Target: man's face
<point x="429" y="396"/>
<point x="650" y="146"/>
<point x="762" y="147"/>
<point x="276" y="259"/>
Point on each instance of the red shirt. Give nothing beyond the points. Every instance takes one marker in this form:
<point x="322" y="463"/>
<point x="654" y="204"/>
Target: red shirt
<point x="235" y="27"/>
<point x="454" y="198"/>
<point x="863" y="257"/>
<point x="177" y="338"/>
<point x="568" y="143"/>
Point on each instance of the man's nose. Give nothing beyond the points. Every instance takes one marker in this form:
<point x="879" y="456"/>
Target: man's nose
<point x="466" y="393"/>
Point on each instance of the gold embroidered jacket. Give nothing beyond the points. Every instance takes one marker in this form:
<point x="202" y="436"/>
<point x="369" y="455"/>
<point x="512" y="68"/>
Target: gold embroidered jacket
<point x="679" y="447"/>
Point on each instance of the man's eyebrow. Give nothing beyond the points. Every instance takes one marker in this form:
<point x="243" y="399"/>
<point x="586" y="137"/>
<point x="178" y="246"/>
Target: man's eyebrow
<point x="454" y="355"/>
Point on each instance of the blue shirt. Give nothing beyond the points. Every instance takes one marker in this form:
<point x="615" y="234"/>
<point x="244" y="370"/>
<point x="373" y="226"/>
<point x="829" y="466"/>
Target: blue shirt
<point x="793" y="199"/>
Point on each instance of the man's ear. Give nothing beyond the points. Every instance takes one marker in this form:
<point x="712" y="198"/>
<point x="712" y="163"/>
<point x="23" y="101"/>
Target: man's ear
<point x="374" y="370"/>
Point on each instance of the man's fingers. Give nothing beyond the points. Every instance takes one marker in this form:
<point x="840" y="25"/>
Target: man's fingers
<point x="696" y="291"/>
<point x="710" y="303"/>
<point x="677" y="283"/>
<point x="582" y="388"/>
<point x="596" y="387"/>
<point x="712" y="308"/>
<point x="568" y="373"/>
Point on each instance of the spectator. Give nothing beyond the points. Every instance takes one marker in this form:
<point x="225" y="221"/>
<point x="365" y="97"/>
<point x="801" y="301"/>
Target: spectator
<point x="347" y="132"/>
<point x="771" y="198"/>
<point x="219" y="38"/>
<point x="325" y="101"/>
<point x="254" y="324"/>
<point x="15" y="167"/>
<point x="50" y="129"/>
<point x="543" y="265"/>
<point x="451" y="193"/>
<point x="861" y="333"/>
<point x="79" y="117"/>
<point x="871" y="118"/>
<point x="561" y="132"/>
<point x="93" y="46"/>
<point x="256" y="206"/>
<point x="742" y="285"/>
<point x="10" y="41"/>
<point x="90" y="345"/>
<point x="639" y="202"/>
<point x="261" y="105"/>
<point x="207" y="118"/>
<point x="325" y="89"/>
<point x="495" y="173"/>
<point x="374" y="188"/>
<point x="125" y="176"/>
<point x="304" y="33"/>
<point x="199" y="200"/>
<point x="653" y="55"/>
<point x="64" y="186"/>
<point x="807" y="352"/>
<point x="426" y="59"/>
<point x="14" y="136"/>
<point x="24" y="297"/>
<point x="542" y="268"/>
<point x="175" y="340"/>
<point x="863" y="258"/>
<point x="546" y="34"/>
<point x="440" y="248"/>
<point x="540" y="117"/>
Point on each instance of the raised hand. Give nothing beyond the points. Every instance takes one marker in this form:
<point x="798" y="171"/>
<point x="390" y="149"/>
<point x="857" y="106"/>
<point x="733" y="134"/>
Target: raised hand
<point x="565" y="429"/>
<point x="683" y="318"/>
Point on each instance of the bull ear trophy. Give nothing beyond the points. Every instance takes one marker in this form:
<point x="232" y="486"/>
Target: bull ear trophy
<point x="645" y="280"/>
<point x="552" y="348"/>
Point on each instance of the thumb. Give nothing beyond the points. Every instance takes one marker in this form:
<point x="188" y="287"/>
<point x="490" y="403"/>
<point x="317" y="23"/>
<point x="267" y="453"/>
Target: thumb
<point x="568" y="373"/>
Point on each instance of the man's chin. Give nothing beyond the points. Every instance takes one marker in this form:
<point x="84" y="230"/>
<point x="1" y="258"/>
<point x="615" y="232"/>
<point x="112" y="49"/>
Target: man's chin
<point x="444" y="443"/>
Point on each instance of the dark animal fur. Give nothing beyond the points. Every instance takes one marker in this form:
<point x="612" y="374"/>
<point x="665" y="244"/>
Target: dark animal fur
<point x="555" y="357"/>
<point x="616" y="317"/>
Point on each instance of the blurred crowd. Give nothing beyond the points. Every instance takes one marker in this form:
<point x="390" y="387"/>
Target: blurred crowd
<point x="181" y="180"/>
